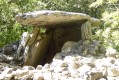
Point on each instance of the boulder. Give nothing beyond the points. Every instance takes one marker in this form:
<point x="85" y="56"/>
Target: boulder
<point x="7" y="52"/>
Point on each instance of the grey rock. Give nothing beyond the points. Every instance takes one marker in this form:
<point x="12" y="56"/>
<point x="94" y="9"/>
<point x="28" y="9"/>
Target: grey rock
<point x="96" y="75"/>
<point x="38" y="76"/>
<point x="27" y="77"/>
<point x="69" y="46"/>
<point x="28" y="68"/>
<point x="78" y="67"/>
<point x="8" y="54"/>
<point x="85" y="52"/>
<point x="110" y="52"/>
<point x="58" y="56"/>
<point x="39" y="67"/>
<point x="10" y="49"/>
<point x="86" y="42"/>
<point x="75" y="65"/>
<point x="92" y="51"/>
<point x="84" y="69"/>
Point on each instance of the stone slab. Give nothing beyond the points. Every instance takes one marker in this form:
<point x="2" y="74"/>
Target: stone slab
<point x="48" y="19"/>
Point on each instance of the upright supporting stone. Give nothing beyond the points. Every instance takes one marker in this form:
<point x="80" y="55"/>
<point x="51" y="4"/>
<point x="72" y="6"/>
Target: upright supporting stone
<point x="36" y="48"/>
<point x="86" y="32"/>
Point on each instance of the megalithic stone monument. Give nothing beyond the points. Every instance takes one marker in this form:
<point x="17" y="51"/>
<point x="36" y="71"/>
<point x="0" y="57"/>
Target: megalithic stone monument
<point x="60" y="27"/>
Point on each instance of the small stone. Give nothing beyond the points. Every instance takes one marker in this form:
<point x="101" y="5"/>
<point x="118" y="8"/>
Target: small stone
<point x="102" y="79"/>
<point x="47" y="75"/>
<point x="28" y="68"/>
<point x="5" y="72"/>
<point x="117" y="56"/>
<point x="98" y="63"/>
<point x="56" y="76"/>
<point x="96" y="75"/>
<point x="74" y="73"/>
<point x="69" y="59"/>
<point x="112" y="78"/>
<point x="60" y="69"/>
<point x="116" y="62"/>
<point x="97" y="43"/>
<point x="20" y="73"/>
<point x="96" y="49"/>
<point x="38" y="76"/>
<point x="84" y="68"/>
<point x="102" y="50"/>
<point x="107" y="61"/>
<point x="86" y="42"/>
<point x="80" y="42"/>
<point x="92" y="51"/>
<point x="69" y="46"/>
<point x="46" y="66"/>
<point x="85" y="52"/>
<point x="75" y="65"/>
<point x="87" y="60"/>
<point x="58" y="56"/>
<point x="55" y="63"/>
<point x="26" y="77"/>
<point x="39" y="67"/>
<point x="66" y="73"/>
<point x="91" y="64"/>
<point x="110" y="52"/>
<point x="63" y="64"/>
<point x="8" y="76"/>
<point x="113" y="72"/>
<point x="81" y="48"/>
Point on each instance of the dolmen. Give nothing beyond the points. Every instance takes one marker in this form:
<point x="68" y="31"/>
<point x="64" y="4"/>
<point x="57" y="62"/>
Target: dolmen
<point x="51" y="29"/>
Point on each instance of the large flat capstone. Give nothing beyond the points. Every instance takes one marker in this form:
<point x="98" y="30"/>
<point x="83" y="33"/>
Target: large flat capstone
<point x="49" y="19"/>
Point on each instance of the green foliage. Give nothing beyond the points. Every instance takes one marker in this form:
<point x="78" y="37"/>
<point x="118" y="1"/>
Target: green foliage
<point x="10" y="30"/>
<point x="81" y="6"/>
<point x="108" y="32"/>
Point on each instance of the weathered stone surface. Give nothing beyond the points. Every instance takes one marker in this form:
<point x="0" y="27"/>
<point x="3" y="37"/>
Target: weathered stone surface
<point x="8" y="52"/>
<point x="110" y="52"/>
<point x="71" y="66"/>
<point x="36" y="48"/>
<point x="83" y="47"/>
<point x="68" y="68"/>
<point x="48" y="18"/>
<point x="10" y="49"/>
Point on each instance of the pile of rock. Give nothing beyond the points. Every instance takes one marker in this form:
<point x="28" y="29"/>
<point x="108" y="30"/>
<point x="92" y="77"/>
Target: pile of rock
<point x="71" y="66"/>
<point x="82" y="47"/>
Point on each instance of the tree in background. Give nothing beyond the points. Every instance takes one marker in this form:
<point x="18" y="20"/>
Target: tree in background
<point x="109" y="31"/>
<point x="81" y="6"/>
<point x="10" y="30"/>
